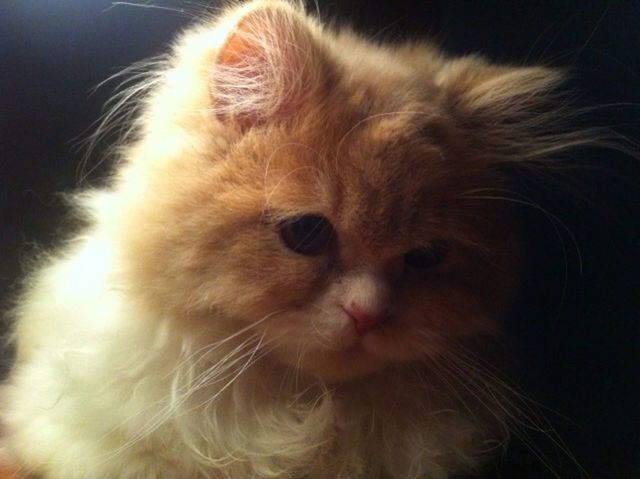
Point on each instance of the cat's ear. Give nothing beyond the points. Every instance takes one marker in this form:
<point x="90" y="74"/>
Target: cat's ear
<point x="507" y="110"/>
<point x="268" y="66"/>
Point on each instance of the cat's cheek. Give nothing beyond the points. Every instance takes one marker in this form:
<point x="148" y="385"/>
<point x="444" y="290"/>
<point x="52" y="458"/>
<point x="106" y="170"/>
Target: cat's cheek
<point x="258" y="281"/>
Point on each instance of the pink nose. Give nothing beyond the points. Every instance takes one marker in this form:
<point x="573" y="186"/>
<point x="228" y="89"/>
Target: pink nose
<point x="364" y="321"/>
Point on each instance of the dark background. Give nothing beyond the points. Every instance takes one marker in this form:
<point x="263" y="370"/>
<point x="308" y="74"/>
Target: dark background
<point x="579" y="330"/>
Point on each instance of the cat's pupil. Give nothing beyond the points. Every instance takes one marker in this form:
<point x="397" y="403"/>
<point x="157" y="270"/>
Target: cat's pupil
<point x="426" y="256"/>
<point x="307" y="234"/>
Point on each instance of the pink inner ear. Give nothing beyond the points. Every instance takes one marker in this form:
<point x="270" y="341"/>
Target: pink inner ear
<point x="264" y="70"/>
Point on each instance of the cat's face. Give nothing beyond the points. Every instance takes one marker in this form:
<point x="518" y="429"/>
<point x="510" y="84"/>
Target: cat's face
<point x="332" y="204"/>
<point x="365" y="255"/>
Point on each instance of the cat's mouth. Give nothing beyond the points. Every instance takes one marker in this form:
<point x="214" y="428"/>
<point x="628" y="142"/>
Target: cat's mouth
<point x="358" y="331"/>
<point x="372" y="343"/>
<point x="342" y="349"/>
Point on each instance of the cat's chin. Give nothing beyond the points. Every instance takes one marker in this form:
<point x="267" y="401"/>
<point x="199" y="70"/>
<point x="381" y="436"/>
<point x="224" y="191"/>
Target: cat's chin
<point x="359" y="357"/>
<point x="340" y="366"/>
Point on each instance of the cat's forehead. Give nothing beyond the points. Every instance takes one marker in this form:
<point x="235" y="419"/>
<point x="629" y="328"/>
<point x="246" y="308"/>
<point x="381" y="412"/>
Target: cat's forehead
<point x="376" y="177"/>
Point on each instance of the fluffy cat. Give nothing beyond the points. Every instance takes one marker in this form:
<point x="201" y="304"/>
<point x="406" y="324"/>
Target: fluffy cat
<point x="290" y="269"/>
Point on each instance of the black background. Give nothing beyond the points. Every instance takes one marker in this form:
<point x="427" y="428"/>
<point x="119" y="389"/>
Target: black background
<point x="579" y="330"/>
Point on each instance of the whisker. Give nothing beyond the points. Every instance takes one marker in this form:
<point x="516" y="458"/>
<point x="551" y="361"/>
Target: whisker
<point x="521" y="413"/>
<point x="148" y="5"/>
<point x="554" y="221"/>
<point x="158" y="419"/>
<point x="213" y="346"/>
<point x="181" y="390"/>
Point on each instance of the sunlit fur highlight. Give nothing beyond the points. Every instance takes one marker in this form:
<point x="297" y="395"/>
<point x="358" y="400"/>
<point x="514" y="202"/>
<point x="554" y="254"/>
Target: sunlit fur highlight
<point x="176" y="337"/>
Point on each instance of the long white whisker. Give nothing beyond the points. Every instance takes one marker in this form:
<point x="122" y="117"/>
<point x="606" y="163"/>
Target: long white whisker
<point x="157" y="419"/>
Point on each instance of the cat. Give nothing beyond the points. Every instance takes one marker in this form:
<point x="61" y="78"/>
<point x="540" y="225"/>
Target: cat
<point x="294" y="269"/>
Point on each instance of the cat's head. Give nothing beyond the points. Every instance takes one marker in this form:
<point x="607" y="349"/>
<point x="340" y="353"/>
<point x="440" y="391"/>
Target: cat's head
<point x="340" y="196"/>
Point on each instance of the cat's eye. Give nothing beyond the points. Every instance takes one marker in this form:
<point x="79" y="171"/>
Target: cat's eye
<point x="427" y="256"/>
<point x="307" y="234"/>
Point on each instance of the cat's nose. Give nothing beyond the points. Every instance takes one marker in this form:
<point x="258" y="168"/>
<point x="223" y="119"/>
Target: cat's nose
<point x="363" y="320"/>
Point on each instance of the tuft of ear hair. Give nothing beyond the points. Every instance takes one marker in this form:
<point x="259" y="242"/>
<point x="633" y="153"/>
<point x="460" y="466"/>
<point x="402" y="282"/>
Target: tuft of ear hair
<point x="268" y="66"/>
<point x="499" y="91"/>
<point x="512" y="113"/>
